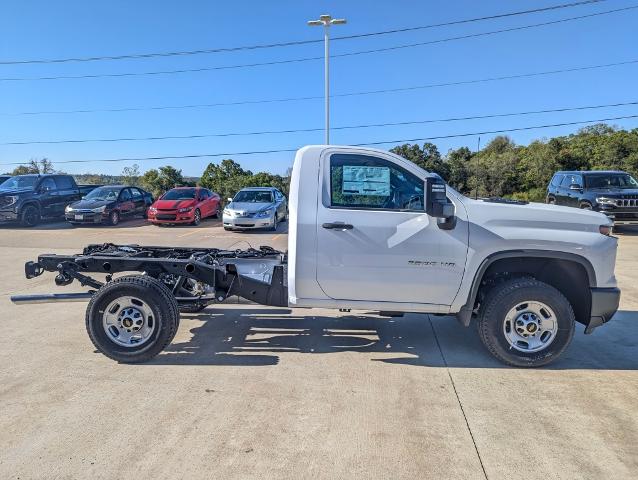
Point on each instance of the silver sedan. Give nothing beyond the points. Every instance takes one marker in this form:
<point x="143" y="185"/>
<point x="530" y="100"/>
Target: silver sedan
<point x="256" y="207"/>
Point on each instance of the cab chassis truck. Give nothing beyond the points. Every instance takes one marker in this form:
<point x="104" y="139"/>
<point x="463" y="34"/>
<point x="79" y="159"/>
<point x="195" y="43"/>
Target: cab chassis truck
<point x="368" y="230"/>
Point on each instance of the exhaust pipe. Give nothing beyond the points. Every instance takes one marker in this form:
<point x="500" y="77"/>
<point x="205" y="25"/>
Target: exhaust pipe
<point x="51" y="298"/>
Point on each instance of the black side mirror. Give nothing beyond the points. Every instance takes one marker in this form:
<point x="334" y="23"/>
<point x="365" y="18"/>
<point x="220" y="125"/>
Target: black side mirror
<point x="436" y="204"/>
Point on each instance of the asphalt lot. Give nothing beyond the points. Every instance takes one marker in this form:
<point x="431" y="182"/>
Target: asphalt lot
<point x="254" y="392"/>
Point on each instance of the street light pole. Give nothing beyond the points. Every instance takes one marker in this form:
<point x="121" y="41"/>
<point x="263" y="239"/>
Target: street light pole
<point x="326" y="21"/>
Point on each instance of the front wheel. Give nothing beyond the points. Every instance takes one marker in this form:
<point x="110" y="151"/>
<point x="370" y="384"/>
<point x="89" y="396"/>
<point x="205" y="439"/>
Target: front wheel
<point x="114" y="218"/>
<point x="273" y="228"/>
<point x="197" y="217"/>
<point x="526" y="323"/>
<point x="30" y="216"/>
<point x="133" y="318"/>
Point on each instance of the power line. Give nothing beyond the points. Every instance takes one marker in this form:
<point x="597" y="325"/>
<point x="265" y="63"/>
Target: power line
<point x="307" y="59"/>
<point x="307" y="130"/>
<point x="286" y="150"/>
<point x="346" y="94"/>
<point x="294" y="42"/>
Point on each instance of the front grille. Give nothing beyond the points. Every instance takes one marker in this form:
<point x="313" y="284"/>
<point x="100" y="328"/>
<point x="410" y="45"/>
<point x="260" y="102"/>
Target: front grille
<point x="627" y="202"/>
<point x="165" y="216"/>
<point x="626" y="216"/>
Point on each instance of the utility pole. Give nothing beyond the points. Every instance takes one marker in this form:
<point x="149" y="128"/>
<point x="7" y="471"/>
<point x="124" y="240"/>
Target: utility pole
<point x="326" y="21"/>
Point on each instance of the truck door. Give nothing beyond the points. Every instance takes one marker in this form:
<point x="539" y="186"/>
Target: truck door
<point x="49" y="198"/>
<point x="374" y="240"/>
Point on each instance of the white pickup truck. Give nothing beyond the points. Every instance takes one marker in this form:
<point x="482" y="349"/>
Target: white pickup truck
<point x="368" y="230"/>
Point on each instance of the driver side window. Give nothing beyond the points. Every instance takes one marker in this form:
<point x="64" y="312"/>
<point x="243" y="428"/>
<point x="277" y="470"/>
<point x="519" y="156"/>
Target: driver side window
<point x="371" y="183"/>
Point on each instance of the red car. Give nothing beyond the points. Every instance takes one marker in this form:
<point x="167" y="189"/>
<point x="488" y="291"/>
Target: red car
<point x="185" y="205"/>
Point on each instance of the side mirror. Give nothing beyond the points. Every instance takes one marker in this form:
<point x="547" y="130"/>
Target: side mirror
<point x="436" y="204"/>
<point x="229" y="199"/>
<point x="575" y="186"/>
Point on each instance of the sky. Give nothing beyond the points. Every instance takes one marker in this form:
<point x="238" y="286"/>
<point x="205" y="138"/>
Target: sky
<point x="52" y="30"/>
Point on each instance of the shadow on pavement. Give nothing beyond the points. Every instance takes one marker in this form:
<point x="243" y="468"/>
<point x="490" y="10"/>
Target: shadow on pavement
<point x="255" y="337"/>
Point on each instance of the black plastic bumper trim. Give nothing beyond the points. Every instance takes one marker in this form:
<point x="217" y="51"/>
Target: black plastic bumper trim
<point x="604" y="304"/>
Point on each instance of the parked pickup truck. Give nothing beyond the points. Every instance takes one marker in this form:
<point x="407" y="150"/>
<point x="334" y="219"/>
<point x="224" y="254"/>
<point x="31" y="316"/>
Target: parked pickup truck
<point x="29" y="198"/>
<point x="370" y="231"/>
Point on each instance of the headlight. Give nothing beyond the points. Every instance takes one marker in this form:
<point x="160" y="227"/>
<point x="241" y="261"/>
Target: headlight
<point x="152" y="209"/>
<point x="606" y="200"/>
<point x="10" y="200"/>
<point x="265" y="213"/>
<point x="228" y="212"/>
<point x="68" y="209"/>
<point x="184" y="210"/>
<point x="99" y="209"/>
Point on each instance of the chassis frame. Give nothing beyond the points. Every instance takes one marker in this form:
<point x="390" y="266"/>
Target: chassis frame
<point x="258" y="275"/>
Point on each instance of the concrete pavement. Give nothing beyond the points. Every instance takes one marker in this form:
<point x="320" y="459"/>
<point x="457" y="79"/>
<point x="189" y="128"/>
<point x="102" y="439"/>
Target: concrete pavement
<point x="253" y="392"/>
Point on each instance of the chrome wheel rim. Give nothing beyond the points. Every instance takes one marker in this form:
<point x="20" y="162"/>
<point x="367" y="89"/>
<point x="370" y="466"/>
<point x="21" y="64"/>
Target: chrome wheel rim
<point x="128" y="322"/>
<point x="530" y="326"/>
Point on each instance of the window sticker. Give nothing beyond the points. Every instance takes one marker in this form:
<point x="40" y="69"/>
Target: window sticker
<point x="358" y="180"/>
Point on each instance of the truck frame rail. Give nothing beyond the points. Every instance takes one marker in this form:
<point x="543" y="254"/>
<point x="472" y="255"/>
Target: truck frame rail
<point x="197" y="277"/>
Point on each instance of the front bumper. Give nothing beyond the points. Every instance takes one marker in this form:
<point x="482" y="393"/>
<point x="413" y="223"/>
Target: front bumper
<point x="85" y="217"/>
<point x="604" y="304"/>
<point x="171" y="217"/>
<point x="247" y="222"/>
<point x="8" y="216"/>
<point x="621" y="216"/>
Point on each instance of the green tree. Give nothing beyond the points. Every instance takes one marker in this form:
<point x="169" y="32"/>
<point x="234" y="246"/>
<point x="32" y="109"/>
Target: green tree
<point x="131" y="175"/>
<point x="41" y="166"/>
<point x="159" y="181"/>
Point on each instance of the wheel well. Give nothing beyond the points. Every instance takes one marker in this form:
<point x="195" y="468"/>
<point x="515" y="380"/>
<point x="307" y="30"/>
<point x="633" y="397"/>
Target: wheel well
<point x="31" y="203"/>
<point x="568" y="276"/>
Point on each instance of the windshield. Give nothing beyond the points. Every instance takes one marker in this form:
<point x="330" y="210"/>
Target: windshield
<point x="611" y="180"/>
<point x="103" y="194"/>
<point x="179" y="194"/>
<point x="19" y="182"/>
<point x="253" y="196"/>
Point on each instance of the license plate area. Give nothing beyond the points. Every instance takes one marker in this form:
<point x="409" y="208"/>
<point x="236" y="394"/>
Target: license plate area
<point x="79" y="217"/>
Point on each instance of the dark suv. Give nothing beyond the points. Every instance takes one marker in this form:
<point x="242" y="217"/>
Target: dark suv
<point x="611" y="192"/>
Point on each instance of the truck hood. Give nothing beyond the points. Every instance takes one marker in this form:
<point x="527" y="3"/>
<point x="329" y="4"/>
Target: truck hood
<point x="15" y="191"/>
<point x="509" y="218"/>
<point x="174" y="204"/>
<point x="249" y="207"/>
<point x="615" y="192"/>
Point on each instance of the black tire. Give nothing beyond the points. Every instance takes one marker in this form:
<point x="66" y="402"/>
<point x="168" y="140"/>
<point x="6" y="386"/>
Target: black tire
<point x="228" y="229"/>
<point x="274" y="226"/>
<point x="586" y="206"/>
<point x="551" y="200"/>
<point x="197" y="217"/>
<point x="218" y="212"/>
<point x="30" y="216"/>
<point x="159" y="299"/>
<point x="505" y="296"/>
<point x="114" y="218"/>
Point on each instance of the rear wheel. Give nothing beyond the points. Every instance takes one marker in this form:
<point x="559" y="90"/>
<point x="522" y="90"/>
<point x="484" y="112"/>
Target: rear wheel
<point x="30" y="216"/>
<point x="218" y="212"/>
<point x="526" y="323"/>
<point x="133" y="318"/>
<point x="551" y="200"/>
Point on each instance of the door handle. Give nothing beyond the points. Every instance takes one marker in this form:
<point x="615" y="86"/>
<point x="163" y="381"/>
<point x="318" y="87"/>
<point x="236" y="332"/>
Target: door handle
<point x="337" y="226"/>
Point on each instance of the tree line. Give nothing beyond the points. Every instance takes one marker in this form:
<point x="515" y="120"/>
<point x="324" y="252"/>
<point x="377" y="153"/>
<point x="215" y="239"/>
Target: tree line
<point x="501" y="168"/>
